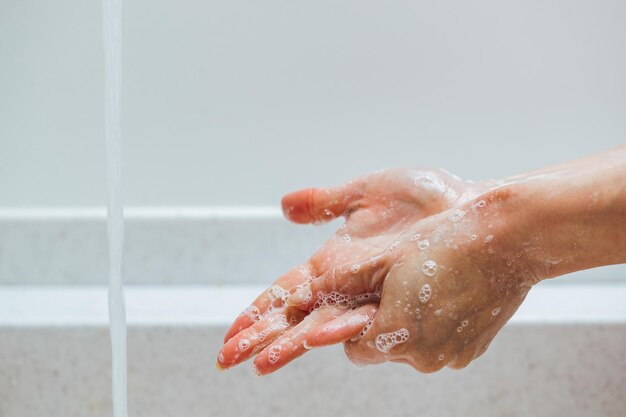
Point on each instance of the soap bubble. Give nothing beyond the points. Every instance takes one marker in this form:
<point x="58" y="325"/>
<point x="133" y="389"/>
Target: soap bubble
<point x="442" y="357"/>
<point x="488" y="238"/>
<point x="386" y="341"/>
<point x="243" y="345"/>
<point x="425" y="293"/>
<point x="335" y="298"/>
<point x="495" y="311"/>
<point x="274" y="354"/>
<point x="429" y="268"/>
<point x="252" y="312"/>
<point x="423" y="244"/>
<point x="364" y="330"/>
<point x="414" y="237"/>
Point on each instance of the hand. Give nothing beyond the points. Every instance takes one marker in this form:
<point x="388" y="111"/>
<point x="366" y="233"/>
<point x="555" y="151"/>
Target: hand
<point x="448" y="287"/>
<point x="379" y="209"/>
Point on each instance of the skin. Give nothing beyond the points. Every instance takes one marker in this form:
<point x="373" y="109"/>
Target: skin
<point x="427" y="268"/>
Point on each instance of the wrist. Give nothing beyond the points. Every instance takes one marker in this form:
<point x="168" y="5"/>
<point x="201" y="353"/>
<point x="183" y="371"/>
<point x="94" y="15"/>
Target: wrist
<point x="561" y="225"/>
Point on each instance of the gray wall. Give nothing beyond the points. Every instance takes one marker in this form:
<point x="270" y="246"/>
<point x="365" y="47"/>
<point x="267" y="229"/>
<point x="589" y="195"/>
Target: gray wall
<point x="236" y="102"/>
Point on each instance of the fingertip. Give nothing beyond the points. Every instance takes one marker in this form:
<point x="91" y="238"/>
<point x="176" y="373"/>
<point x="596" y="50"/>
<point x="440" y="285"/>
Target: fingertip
<point x="296" y="206"/>
<point x="219" y="363"/>
<point x="300" y="297"/>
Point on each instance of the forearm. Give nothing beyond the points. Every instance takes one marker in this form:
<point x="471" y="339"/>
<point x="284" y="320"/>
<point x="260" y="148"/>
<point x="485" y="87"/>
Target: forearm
<point x="582" y="166"/>
<point x="574" y="219"/>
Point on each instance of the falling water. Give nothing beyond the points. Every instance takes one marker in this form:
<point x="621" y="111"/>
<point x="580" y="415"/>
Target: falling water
<point x="112" y="15"/>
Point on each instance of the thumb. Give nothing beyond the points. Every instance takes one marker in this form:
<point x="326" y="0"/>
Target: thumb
<point x="317" y="205"/>
<point x="344" y="286"/>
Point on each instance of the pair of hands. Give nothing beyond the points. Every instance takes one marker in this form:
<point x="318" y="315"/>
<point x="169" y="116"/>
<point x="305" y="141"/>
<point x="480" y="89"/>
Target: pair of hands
<point x="421" y="272"/>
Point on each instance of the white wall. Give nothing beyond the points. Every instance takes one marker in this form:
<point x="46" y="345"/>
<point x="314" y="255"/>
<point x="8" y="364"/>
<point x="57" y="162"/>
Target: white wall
<point x="237" y="102"/>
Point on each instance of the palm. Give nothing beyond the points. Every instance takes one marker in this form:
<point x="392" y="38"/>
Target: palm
<point x="383" y="208"/>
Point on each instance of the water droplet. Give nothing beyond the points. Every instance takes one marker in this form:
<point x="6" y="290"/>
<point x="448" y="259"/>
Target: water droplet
<point x="488" y="238"/>
<point x="456" y="215"/>
<point x="442" y="357"/>
<point x="473" y="237"/>
<point x="495" y="311"/>
<point x="423" y="244"/>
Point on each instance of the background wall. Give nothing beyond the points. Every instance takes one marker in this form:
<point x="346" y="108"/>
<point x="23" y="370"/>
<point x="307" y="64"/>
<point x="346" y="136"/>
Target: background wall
<point x="236" y="102"/>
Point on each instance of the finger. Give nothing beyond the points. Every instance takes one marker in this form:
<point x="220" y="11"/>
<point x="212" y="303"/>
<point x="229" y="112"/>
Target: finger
<point x="345" y="286"/>
<point x="292" y="344"/>
<point x="273" y="297"/>
<point x="363" y="350"/>
<point x="316" y="205"/>
<point x="249" y="341"/>
<point x="348" y="326"/>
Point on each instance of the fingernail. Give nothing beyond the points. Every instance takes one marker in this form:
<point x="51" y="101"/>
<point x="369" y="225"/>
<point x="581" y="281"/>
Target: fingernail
<point x="302" y="295"/>
<point x="220" y="358"/>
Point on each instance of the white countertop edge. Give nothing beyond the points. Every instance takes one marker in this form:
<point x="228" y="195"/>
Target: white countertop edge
<point x="54" y="306"/>
<point x="141" y="213"/>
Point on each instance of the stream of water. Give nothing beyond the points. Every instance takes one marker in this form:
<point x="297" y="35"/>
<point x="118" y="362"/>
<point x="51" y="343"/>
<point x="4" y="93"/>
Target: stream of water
<point x="112" y="21"/>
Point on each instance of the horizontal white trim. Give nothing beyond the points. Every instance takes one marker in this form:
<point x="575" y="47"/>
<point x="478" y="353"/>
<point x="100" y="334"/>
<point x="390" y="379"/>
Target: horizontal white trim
<point x="141" y="213"/>
<point x="218" y="306"/>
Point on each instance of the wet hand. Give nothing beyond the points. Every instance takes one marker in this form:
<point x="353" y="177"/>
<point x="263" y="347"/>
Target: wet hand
<point x="448" y="287"/>
<point x="379" y="209"/>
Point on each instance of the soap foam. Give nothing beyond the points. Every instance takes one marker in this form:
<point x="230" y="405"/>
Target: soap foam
<point x="386" y="341"/>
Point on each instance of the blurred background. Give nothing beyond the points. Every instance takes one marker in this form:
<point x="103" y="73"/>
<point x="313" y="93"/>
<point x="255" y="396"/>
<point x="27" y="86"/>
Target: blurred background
<point x="238" y="102"/>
